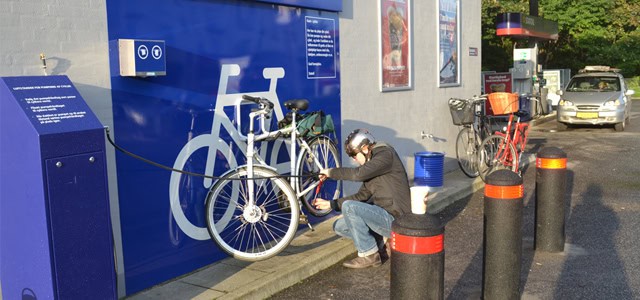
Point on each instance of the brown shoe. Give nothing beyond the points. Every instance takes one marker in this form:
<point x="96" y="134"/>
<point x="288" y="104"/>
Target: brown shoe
<point x="387" y="248"/>
<point x="372" y="260"/>
<point x="385" y="251"/>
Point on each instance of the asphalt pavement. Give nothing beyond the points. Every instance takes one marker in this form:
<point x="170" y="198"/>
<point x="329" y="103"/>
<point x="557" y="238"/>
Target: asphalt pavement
<point x="309" y="253"/>
<point x="600" y="258"/>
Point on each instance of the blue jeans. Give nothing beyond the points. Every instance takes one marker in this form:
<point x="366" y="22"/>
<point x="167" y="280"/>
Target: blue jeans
<point x="361" y="222"/>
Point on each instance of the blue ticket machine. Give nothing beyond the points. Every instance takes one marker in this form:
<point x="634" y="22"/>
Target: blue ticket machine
<point x="55" y="229"/>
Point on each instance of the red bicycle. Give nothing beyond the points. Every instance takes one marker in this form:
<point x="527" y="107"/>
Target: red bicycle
<point x="503" y="149"/>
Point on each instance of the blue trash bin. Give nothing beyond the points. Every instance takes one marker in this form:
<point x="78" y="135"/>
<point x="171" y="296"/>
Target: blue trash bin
<point x="429" y="169"/>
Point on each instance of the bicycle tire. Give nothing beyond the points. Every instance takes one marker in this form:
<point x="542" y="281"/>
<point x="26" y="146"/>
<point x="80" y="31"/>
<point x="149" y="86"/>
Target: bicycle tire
<point x="257" y="232"/>
<point x="467" y="144"/>
<point x="329" y="156"/>
<point x="492" y="147"/>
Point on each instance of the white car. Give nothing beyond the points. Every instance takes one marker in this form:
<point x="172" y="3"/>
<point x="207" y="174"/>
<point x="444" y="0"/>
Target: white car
<point x="598" y="95"/>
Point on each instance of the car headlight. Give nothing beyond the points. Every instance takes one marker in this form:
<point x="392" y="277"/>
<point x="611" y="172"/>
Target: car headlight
<point x="565" y="103"/>
<point x="612" y="103"/>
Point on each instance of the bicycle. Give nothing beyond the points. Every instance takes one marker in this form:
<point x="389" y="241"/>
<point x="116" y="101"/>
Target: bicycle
<point x="252" y="212"/>
<point x="504" y="149"/>
<point x="476" y="125"/>
<point x="219" y="147"/>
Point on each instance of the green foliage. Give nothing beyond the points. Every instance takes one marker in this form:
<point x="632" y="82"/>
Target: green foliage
<point x="634" y="84"/>
<point x="591" y="32"/>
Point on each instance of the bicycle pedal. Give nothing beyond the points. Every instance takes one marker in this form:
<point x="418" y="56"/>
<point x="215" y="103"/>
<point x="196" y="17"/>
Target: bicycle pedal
<point x="303" y="219"/>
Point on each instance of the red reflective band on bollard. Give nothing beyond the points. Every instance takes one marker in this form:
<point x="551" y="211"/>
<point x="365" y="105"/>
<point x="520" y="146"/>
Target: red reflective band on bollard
<point x="416" y="244"/>
<point x="551" y="163"/>
<point x="503" y="192"/>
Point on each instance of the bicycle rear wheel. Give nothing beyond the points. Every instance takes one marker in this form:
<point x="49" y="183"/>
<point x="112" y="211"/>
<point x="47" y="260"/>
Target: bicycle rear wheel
<point x="252" y="232"/>
<point x="466" y="151"/>
<point x="496" y="154"/>
<point x="328" y="156"/>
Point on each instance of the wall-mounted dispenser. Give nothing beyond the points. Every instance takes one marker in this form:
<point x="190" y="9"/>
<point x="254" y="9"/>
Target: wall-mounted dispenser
<point x="142" y="57"/>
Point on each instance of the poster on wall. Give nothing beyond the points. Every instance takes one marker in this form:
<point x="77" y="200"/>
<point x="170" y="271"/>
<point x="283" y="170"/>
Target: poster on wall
<point x="448" y="42"/>
<point x="498" y="82"/>
<point x="395" y="44"/>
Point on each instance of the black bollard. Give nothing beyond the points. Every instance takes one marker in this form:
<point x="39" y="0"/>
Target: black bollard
<point x="417" y="257"/>
<point x="502" y="256"/>
<point x="551" y="182"/>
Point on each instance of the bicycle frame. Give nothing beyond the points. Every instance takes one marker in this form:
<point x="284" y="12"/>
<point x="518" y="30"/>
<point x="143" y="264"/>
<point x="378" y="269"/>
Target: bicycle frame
<point x="252" y="156"/>
<point x="518" y="139"/>
<point x="505" y="148"/>
<point x="481" y="124"/>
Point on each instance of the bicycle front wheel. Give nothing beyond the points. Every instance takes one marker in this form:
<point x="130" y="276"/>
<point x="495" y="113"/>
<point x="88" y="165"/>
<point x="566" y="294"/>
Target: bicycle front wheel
<point x="257" y="231"/>
<point x="466" y="151"/>
<point x="325" y="152"/>
<point x="496" y="154"/>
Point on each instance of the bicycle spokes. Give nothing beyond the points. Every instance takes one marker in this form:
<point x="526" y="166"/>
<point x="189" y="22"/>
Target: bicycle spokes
<point x="496" y="153"/>
<point x="252" y="231"/>
<point x="321" y="154"/>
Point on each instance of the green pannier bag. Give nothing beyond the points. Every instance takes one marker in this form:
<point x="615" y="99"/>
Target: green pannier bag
<point x="315" y="123"/>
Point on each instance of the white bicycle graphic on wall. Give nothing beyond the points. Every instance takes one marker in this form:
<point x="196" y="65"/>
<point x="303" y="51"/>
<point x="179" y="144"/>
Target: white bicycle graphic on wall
<point x="312" y="155"/>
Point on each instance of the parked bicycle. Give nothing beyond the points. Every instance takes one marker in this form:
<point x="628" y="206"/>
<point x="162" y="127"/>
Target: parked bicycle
<point x="253" y="212"/>
<point x="504" y="149"/>
<point x="476" y="125"/>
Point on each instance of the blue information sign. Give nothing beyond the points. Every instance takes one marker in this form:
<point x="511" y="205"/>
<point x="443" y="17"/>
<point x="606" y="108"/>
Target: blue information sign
<point x="150" y="56"/>
<point x="52" y="103"/>
<point x="321" y="47"/>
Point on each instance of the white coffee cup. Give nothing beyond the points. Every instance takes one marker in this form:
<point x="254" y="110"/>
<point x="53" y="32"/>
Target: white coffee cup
<point x="419" y="199"/>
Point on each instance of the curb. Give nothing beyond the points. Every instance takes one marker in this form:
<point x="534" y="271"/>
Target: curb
<point x="543" y="119"/>
<point x="442" y="200"/>
<point x="309" y="253"/>
<point x="302" y="260"/>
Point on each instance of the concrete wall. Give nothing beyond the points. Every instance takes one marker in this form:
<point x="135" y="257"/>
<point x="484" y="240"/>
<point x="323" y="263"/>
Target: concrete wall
<point x="399" y="117"/>
<point x="73" y="36"/>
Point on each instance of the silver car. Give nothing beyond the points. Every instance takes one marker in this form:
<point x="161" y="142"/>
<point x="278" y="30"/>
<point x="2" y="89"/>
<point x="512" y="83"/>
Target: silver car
<point x="595" y="98"/>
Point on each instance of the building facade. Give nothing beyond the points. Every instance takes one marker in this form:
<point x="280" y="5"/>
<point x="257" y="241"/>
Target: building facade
<point x="388" y="66"/>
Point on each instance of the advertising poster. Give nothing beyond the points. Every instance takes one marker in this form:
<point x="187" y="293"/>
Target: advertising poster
<point x="553" y="80"/>
<point x="395" y="44"/>
<point x="448" y="43"/>
<point x="553" y="85"/>
<point x="497" y="82"/>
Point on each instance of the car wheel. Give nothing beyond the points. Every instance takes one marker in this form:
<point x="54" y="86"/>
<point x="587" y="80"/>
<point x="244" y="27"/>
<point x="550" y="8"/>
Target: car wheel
<point x="619" y="126"/>
<point x="562" y="126"/>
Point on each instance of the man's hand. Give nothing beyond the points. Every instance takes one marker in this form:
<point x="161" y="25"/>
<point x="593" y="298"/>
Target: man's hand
<point x="321" y="204"/>
<point x="324" y="174"/>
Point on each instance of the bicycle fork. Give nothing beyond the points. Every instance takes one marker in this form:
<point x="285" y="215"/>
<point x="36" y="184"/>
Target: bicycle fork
<point x="294" y="180"/>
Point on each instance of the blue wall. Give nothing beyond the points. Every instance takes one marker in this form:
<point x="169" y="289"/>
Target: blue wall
<point x="216" y="50"/>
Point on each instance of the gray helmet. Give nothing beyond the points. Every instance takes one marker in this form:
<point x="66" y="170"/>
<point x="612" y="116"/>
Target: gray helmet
<point x="356" y="139"/>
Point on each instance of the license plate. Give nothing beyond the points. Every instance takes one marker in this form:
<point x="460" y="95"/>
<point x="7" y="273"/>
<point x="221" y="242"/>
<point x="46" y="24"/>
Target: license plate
<point x="587" y="115"/>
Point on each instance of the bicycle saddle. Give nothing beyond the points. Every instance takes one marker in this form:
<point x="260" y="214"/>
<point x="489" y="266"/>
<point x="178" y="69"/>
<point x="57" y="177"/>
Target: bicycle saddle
<point x="298" y="104"/>
<point x="524" y="115"/>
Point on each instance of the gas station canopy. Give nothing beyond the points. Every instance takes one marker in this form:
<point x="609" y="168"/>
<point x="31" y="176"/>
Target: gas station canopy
<point x="521" y="25"/>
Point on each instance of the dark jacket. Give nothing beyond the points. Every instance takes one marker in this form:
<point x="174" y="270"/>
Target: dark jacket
<point x="384" y="181"/>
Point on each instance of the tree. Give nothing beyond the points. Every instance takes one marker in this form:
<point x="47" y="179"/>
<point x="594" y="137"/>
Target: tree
<point x="591" y="32"/>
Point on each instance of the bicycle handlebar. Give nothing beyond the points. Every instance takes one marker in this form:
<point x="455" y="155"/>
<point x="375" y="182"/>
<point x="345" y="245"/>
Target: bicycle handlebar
<point x="258" y="100"/>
